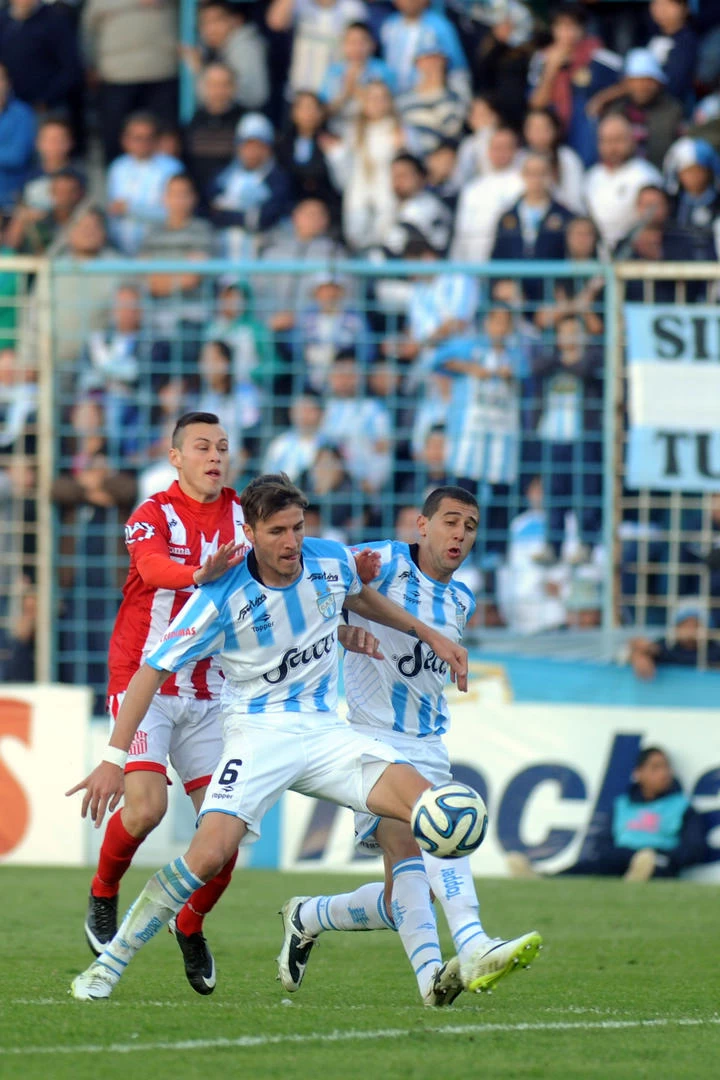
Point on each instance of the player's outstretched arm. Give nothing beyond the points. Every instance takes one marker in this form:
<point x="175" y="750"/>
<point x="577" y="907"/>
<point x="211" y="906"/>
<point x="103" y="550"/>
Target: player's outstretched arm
<point x="226" y="556"/>
<point x="370" y="604"/>
<point x="105" y="784"/>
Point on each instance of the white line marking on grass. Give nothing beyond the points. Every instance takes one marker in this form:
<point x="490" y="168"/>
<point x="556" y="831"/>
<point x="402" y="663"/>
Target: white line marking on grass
<point x="250" y="1041"/>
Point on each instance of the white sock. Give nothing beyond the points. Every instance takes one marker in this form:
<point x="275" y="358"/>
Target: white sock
<point x="452" y="883"/>
<point x="414" y="918"/>
<point x="162" y="897"/>
<point x="363" y="909"/>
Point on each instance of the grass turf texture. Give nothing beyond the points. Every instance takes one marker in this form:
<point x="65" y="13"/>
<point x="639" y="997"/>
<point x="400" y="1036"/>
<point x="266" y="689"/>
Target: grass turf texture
<point x="615" y="953"/>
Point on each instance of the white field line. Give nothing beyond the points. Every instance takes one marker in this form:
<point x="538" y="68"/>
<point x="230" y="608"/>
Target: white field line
<point x="250" y="1041"/>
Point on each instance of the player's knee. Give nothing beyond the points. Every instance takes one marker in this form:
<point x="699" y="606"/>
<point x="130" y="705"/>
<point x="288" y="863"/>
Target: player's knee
<point x="143" y="816"/>
<point x="208" y="861"/>
<point x="402" y="848"/>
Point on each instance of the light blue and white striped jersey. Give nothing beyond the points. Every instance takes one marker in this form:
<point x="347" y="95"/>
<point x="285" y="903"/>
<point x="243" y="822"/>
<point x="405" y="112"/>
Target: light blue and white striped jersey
<point x="435" y="300"/>
<point x="562" y="414"/>
<point x="141" y="185"/>
<point x="483" y="421"/>
<point x="406" y="691"/>
<point x="362" y="428"/>
<point x="401" y="37"/>
<point x="277" y="646"/>
<point x="291" y="453"/>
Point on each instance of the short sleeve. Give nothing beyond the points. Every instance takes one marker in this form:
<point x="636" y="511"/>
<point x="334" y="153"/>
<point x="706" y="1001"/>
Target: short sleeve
<point x="195" y="633"/>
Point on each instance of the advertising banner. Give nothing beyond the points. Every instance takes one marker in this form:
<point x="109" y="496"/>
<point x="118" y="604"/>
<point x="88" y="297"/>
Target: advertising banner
<point x="673" y="369"/>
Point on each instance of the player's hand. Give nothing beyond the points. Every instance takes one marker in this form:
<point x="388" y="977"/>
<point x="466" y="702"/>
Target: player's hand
<point x="367" y="564"/>
<point x="356" y="639"/>
<point x="455" y="656"/>
<point x="103" y="788"/>
<point x="226" y="556"/>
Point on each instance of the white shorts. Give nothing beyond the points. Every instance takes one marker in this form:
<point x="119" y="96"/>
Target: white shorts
<point x="260" y="763"/>
<point x="185" y="730"/>
<point x="430" y="758"/>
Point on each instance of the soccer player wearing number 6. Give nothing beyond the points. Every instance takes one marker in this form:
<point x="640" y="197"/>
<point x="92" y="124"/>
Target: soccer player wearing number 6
<point x="401" y="699"/>
<point x="273" y="622"/>
<point x="176" y="540"/>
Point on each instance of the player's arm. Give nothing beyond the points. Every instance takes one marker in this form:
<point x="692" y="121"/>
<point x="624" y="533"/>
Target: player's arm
<point x="370" y="604"/>
<point x="159" y="571"/>
<point x="356" y="639"/>
<point x="105" y="784"/>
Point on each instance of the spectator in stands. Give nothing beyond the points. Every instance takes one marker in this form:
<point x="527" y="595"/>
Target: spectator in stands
<point x="542" y="136"/>
<point x="441" y="165"/>
<point x="528" y="588"/>
<point x="484" y="416"/>
<point x="430" y="108"/>
<point x="181" y="235"/>
<point x="54" y="144"/>
<point x="328" y="327"/>
<point x="613" y="184"/>
<point x="209" y="138"/>
<point x="17" y="136"/>
<point x="569" y="427"/>
<point x="483" y="119"/>
<point x="307" y="239"/>
<point x="229" y="37"/>
<point x="132" y="54"/>
<point x="401" y="35"/>
<point x="234" y="400"/>
<point x="318" y="28"/>
<point x="80" y="303"/>
<point x="136" y="184"/>
<point x="642" y="98"/>
<point x="236" y="323"/>
<point x="341" y="87"/>
<point x="39" y="50"/>
<point x="253" y="194"/>
<point x="659" y="238"/>
<point x="683" y="647"/>
<point x="501" y="60"/>
<point x="33" y="232"/>
<point x="19" y="666"/>
<point x="675" y="46"/>
<point x="567" y="74"/>
<point x="300" y="154"/>
<point x="362" y="163"/>
<point x="359" y="425"/>
<point x="294" y="451"/>
<point x="114" y="365"/>
<point x="429" y="467"/>
<point x="440" y="306"/>
<point x="534" y="227"/>
<point x="431" y="411"/>
<point x="652" y="830"/>
<point x="483" y="200"/>
<point x="330" y="488"/>
<point x="416" y="207"/>
<point x="692" y="169"/>
<point x="576" y="295"/>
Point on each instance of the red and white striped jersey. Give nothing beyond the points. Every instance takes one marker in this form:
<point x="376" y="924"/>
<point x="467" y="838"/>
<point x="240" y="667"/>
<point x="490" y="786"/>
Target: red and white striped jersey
<point x="175" y="526"/>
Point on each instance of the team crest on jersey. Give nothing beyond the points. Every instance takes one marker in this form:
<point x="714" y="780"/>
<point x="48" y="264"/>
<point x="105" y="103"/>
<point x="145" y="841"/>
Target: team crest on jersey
<point x="460" y="617"/>
<point x="326" y="605"/>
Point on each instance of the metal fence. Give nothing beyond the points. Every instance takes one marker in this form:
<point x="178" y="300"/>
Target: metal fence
<point x="366" y="366"/>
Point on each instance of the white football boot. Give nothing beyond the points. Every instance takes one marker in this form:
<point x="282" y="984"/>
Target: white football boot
<point x="496" y="958"/>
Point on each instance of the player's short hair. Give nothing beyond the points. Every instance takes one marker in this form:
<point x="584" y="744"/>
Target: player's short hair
<point x="448" y="491"/>
<point x="191" y="418"/>
<point x="267" y="495"/>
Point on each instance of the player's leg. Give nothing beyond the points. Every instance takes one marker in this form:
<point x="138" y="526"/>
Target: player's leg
<point x="217" y="837"/>
<point x="144" y="806"/>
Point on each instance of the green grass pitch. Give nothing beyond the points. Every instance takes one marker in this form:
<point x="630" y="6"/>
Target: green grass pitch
<point x="626" y="987"/>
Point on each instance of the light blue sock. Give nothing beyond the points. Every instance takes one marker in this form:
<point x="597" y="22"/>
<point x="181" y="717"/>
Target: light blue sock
<point x="452" y="883"/>
<point x="363" y="909"/>
<point x="414" y="918"/>
<point x="162" y="897"/>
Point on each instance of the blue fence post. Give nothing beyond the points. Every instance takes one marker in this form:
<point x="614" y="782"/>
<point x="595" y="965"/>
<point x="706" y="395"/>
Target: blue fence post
<point x="613" y="341"/>
<point x="188" y="9"/>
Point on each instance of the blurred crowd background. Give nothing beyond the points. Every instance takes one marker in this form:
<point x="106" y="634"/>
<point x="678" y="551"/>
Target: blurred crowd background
<point x="377" y="239"/>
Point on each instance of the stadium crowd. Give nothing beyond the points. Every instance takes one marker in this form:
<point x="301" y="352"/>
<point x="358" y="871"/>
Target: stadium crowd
<point x="325" y="129"/>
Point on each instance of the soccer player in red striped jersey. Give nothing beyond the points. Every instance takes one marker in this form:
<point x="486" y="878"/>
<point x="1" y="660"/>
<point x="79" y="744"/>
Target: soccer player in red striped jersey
<point x="177" y="539"/>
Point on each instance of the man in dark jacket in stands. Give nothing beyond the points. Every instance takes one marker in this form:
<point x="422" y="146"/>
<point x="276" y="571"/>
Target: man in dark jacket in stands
<point x="39" y="48"/>
<point x="652" y="831"/>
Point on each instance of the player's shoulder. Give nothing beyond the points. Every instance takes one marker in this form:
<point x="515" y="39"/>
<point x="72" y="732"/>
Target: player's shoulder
<point x="317" y="548"/>
<point x="148" y="514"/>
<point x="232" y="503"/>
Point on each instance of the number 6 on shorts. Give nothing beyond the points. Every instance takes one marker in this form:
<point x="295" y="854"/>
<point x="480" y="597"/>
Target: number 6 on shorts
<point x="229" y="774"/>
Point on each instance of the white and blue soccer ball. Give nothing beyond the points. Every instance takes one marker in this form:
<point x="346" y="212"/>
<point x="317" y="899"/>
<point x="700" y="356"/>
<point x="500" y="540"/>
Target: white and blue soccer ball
<point x="449" y="820"/>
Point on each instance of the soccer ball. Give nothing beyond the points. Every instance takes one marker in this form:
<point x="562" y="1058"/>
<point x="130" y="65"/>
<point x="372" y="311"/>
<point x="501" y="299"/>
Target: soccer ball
<point x="449" y="820"/>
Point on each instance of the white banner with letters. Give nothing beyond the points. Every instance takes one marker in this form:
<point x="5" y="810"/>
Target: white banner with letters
<point x="44" y="734"/>
<point x="547" y="771"/>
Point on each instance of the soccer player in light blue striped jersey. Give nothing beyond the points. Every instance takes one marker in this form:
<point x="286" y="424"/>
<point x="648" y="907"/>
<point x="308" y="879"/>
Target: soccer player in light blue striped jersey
<point x="274" y="622"/>
<point x="402" y="699"/>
